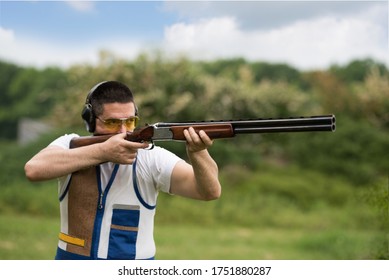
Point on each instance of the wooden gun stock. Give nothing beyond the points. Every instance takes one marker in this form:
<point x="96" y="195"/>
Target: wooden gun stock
<point x="214" y="131"/>
<point x="88" y="140"/>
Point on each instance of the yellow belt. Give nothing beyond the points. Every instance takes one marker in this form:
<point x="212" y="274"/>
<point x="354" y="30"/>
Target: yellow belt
<point x="71" y="239"/>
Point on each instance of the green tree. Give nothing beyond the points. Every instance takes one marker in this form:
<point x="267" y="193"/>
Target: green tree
<point x="358" y="70"/>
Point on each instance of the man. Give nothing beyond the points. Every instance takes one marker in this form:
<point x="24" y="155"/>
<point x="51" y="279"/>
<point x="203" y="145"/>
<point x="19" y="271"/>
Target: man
<point x="108" y="191"/>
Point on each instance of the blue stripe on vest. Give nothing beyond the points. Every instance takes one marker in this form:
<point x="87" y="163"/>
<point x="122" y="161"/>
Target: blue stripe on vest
<point x="136" y="188"/>
<point x="66" y="189"/>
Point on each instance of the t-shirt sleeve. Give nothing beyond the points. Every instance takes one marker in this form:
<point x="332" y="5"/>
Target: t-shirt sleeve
<point x="64" y="140"/>
<point x="156" y="167"/>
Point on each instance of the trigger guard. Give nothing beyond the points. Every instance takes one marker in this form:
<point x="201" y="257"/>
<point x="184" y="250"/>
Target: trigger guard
<point x="151" y="146"/>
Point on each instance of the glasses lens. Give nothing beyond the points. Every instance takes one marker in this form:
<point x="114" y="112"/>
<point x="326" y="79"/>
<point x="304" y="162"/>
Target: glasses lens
<point x="131" y="122"/>
<point x="113" y="123"/>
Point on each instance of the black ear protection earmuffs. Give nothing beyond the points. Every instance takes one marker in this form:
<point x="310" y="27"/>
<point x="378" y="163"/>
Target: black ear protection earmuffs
<point x="88" y="115"/>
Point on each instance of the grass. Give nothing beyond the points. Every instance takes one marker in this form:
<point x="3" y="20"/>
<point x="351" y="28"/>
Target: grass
<point x="31" y="237"/>
<point x="256" y="243"/>
<point x="28" y="237"/>
<point x="271" y="213"/>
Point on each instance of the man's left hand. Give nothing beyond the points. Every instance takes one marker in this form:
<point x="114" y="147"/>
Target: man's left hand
<point x="197" y="142"/>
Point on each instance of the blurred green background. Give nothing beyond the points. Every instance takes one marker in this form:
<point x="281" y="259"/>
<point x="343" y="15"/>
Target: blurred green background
<point x="312" y="195"/>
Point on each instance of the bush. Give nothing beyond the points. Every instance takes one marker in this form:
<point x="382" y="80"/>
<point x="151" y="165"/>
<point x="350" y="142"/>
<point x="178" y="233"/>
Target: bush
<point x="355" y="151"/>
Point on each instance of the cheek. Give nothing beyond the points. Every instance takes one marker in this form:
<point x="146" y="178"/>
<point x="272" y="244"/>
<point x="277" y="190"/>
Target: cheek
<point x="102" y="130"/>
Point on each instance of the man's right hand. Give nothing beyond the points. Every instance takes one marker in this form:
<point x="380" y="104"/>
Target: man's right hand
<point x="119" y="150"/>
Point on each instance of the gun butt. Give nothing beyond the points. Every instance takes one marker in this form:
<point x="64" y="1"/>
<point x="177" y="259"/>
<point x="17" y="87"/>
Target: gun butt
<point x="77" y="142"/>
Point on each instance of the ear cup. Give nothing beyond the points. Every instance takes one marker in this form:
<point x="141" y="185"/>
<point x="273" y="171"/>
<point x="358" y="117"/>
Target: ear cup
<point x="88" y="117"/>
<point x="87" y="113"/>
<point x="136" y="110"/>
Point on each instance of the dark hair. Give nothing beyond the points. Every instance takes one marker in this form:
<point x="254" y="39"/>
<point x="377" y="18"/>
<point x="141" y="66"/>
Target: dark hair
<point x="109" y="92"/>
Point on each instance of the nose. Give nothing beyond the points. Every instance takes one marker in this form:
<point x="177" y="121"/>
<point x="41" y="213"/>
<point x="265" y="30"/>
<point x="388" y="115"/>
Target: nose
<point x="123" y="127"/>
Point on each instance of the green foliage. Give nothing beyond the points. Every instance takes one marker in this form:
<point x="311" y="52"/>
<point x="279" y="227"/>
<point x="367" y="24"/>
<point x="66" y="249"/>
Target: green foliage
<point x="17" y="194"/>
<point x="240" y="69"/>
<point x="358" y="70"/>
<point x="277" y="197"/>
<point x="357" y="150"/>
<point x="14" y="156"/>
<point x="27" y="92"/>
<point x="378" y="197"/>
<point x="38" y="199"/>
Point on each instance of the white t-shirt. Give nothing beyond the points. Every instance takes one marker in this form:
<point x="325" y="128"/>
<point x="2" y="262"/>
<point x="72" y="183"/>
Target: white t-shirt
<point x="153" y="174"/>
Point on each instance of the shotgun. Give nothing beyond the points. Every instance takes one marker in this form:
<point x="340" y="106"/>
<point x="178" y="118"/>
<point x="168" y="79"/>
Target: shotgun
<point x="165" y="131"/>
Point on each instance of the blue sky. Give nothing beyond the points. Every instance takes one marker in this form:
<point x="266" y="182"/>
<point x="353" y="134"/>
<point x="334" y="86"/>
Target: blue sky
<point x="66" y="22"/>
<point x="305" y="34"/>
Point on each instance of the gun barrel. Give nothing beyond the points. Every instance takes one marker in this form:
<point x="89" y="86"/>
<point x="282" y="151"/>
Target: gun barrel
<point x="291" y="124"/>
<point x="274" y="129"/>
<point x="292" y="121"/>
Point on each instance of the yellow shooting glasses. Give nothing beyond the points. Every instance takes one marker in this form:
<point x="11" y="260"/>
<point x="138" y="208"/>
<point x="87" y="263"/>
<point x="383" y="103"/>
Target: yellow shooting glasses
<point x="115" y="124"/>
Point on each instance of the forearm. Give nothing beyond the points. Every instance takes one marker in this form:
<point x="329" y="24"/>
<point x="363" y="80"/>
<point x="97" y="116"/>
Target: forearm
<point x="206" y="174"/>
<point x="54" y="162"/>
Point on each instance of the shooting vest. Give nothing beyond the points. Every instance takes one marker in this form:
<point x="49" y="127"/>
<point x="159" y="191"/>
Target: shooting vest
<point x="104" y="215"/>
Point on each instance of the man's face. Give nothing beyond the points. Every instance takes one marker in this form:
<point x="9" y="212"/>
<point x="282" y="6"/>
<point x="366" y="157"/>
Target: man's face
<point x="116" y="118"/>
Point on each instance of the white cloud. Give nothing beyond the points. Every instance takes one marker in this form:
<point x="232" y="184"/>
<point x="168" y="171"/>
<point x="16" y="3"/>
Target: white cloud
<point x="306" y="44"/>
<point x="270" y="14"/>
<point x="41" y="53"/>
<point x="6" y="36"/>
<point x="203" y="39"/>
<point x="81" y="6"/>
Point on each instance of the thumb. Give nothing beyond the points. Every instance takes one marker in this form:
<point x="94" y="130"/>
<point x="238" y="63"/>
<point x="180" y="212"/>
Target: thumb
<point x="123" y="134"/>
